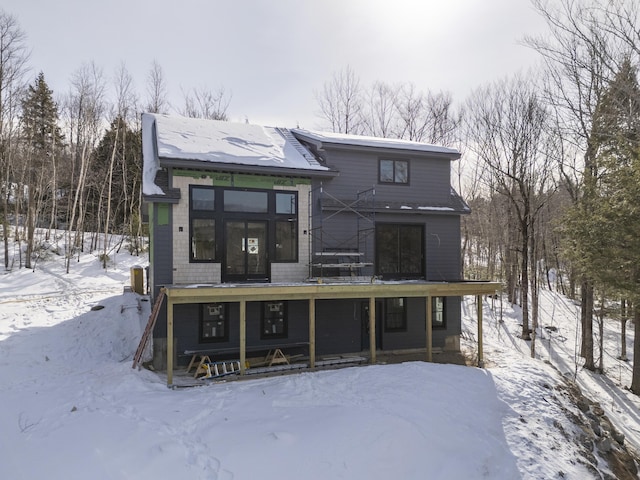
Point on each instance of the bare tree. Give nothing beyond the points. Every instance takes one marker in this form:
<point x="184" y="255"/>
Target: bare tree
<point x="579" y="58"/>
<point x="206" y="103"/>
<point x="506" y="128"/>
<point x="84" y="108"/>
<point x="341" y="103"/>
<point x="381" y="117"/>
<point x="156" y="90"/>
<point x="411" y="107"/>
<point x="13" y="66"/>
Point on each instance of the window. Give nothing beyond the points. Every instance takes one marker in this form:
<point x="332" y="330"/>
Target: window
<point x="214" y="212"/>
<point x="246" y="201"/>
<point x="399" y="251"/>
<point x="274" y="320"/>
<point x="203" y="199"/>
<point x="394" y="171"/>
<point x="438" y="311"/>
<point x="214" y="325"/>
<point x="202" y="224"/>
<point x="286" y="227"/>
<point x="395" y="314"/>
<point x="203" y="239"/>
<point x="286" y="241"/>
<point x="286" y="203"/>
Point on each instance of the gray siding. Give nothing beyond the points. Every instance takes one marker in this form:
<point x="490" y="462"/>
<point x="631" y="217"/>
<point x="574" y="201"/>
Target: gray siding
<point x="443" y="247"/>
<point x="161" y="272"/>
<point x="161" y="262"/>
<point x="429" y="179"/>
<point x="187" y="324"/>
<point x="415" y="335"/>
<point x="338" y="326"/>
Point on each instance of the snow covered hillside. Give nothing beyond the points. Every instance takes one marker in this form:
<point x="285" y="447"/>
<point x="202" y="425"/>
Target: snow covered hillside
<point x="73" y="408"/>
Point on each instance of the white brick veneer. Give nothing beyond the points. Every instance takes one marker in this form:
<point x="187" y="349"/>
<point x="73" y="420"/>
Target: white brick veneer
<point x="190" y="273"/>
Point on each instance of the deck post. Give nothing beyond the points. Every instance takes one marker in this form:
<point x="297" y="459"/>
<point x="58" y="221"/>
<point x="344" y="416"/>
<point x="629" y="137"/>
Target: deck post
<point x="479" y="310"/>
<point x="429" y="320"/>
<point x="372" y="330"/>
<point x="312" y="333"/>
<point x="243" y="336"/>
<point x="169" y="342"/>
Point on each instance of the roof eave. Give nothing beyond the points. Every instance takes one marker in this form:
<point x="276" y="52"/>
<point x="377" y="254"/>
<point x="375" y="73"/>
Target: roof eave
<point x="324" y="144"/>
<point x="235" y="167"/>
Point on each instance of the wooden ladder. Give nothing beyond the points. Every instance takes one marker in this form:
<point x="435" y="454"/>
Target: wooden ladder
<point x="149" y="328"/>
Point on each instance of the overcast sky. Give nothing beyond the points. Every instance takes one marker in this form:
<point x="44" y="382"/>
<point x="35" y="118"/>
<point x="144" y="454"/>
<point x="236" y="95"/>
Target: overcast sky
<point x="273" y="55"/>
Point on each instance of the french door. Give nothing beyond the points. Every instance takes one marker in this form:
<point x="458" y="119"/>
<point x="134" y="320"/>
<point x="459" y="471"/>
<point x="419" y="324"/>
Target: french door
<point x="245" y="256"/>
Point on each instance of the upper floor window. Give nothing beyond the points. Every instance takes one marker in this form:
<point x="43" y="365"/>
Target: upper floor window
<point x="203" y="199"/>
<point x="211" y="208"/>
<point x="286" y="203"/>
<point x="202" y="225"/>
<point x="394" y="171"/>
<point x="400" y="250"/>
<point x="246" y="201"/>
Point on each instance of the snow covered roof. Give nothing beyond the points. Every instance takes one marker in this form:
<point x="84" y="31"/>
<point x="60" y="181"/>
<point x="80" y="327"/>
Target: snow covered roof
<point x="321" y="138"/>
<point x="180" y="138"/>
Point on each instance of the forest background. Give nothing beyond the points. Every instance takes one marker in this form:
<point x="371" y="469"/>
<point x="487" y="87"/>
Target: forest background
<point x="551" y="160"/>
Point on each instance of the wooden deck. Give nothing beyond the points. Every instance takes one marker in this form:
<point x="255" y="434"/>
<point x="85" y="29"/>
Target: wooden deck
<point x="372" y="290"/>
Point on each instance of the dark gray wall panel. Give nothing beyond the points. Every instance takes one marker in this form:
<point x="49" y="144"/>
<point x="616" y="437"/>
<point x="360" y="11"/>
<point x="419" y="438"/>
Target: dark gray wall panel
<point x="338" y="326"/>
<point x="429" y="179"/>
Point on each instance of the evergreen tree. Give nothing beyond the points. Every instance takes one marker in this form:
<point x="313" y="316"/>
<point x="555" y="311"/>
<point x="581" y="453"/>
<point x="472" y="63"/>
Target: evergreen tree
<point x="118" y="158"/>
<point x="43" y="141"/>
<point x="605" y="229"/>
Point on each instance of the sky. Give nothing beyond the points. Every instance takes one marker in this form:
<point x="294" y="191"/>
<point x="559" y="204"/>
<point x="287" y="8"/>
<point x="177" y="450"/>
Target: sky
<point x="273" y="56"/>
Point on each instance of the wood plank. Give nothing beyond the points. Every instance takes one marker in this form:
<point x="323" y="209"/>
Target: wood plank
<point x="429" y="320"/>
<point x="312" y="333"/>
<point x="372" y="330"/>
<point x="243" y="336"/>
<point x="479" y="310"/>
<point x="169" y="341"/>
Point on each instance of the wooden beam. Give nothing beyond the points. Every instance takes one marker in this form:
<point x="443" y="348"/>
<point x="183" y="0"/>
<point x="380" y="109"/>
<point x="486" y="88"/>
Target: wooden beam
<point x="169" y="342"/>
<point x="372" y="330"/>
<point x="243" y="336"/>
<point x="263" y="292"/>
<point x="429" y="320"/>
<point x="312" y="333"/>
<point x="479" y="310"/>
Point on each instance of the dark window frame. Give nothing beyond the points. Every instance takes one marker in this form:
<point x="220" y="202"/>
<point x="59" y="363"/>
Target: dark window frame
<point x="271" y="317"/>
<point x="290" y="218"/>
<point x="223" y="317"/>
<point x="395" y="318"/>
<point x="394" y="163"/>
<point x="437" y="302"/>
<point x="203" y="214"/>
<point x="218" y="215"/>
<point x="400" y="258"/>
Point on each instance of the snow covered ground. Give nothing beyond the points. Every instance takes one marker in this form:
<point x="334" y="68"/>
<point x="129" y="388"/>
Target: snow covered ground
<point x="73" y="408"/>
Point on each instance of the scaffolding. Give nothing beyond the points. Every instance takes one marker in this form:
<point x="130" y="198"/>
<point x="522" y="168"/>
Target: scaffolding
<point x="339" y="252"/>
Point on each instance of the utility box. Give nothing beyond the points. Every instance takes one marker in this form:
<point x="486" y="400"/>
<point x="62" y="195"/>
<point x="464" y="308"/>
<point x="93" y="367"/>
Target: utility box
<point x="137" y="280"/>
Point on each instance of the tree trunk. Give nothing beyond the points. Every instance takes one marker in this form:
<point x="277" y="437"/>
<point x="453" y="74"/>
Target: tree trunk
<point x="601" y="333"/>
<point x="586" y="315"/>
<point x="635" y="380"/>
<point x="524" y="284"/>
<point x="623" y="330"/>
<point x="534" y="294"/>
